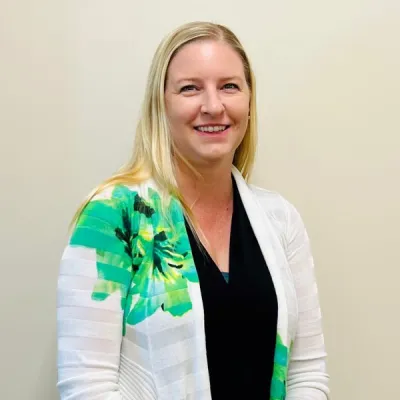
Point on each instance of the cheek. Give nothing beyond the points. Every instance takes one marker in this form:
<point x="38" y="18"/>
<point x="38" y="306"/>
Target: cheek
<point x="238" y="107"/>
<point x="182" y="113"/>
<point x="241" y="113"/>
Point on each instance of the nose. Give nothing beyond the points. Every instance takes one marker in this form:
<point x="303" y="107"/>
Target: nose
<point x="212" y="103"/>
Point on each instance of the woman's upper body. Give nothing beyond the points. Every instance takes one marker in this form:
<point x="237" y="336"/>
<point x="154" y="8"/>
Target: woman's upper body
<point x="140" y="335"/>
<point x="133" y="316"/>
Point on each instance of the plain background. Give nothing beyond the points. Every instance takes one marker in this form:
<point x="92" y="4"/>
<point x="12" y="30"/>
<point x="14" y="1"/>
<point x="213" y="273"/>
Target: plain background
<point x="72" y="76"/>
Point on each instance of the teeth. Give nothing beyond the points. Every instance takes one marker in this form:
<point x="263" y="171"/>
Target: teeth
<point x="211" y="128"/>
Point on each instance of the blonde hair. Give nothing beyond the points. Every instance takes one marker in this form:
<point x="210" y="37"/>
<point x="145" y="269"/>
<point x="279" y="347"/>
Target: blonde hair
<point x="153" y="149"/>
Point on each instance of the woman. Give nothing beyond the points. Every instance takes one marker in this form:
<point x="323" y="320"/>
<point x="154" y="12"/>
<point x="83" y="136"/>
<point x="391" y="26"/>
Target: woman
<point x="181" y="280"/>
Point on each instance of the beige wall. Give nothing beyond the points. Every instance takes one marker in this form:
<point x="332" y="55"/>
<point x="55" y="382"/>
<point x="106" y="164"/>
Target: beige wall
<point x="72" y="74"/>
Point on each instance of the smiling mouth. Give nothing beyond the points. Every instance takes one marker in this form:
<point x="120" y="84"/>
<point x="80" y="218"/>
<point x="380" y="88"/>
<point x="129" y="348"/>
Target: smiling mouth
<point x="211" y="129"/>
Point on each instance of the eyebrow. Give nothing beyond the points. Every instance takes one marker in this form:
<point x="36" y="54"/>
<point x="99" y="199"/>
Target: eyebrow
<point x="229" y="78"/>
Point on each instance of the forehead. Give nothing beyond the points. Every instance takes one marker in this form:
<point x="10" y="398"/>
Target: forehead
<point x="206" y="58"/>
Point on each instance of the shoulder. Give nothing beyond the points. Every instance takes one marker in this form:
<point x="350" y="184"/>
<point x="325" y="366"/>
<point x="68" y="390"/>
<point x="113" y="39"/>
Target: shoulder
<point x="281" y="211"/>
<point x="111" y="202"/>
<point x="112" y="208"/>
<point x="274" y="203"/>
<point x="124" y="193"/>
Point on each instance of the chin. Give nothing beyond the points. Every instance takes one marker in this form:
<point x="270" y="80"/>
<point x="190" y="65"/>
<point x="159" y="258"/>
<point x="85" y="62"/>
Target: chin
<point x="215" y="157"/>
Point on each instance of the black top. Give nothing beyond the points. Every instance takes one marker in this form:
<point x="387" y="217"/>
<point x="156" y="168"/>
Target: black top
<point x="240" y="315"/>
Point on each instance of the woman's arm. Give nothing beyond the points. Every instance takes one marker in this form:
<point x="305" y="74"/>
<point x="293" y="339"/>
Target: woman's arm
<point x="95" y="276"/>
<point x="307" y="376"/>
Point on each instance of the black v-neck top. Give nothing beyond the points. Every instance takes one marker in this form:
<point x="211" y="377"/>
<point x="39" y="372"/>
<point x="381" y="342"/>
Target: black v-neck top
<point x="240" y="315"/>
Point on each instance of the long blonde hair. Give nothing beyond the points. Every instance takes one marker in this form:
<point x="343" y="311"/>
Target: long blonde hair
<point x="153" y="149"/>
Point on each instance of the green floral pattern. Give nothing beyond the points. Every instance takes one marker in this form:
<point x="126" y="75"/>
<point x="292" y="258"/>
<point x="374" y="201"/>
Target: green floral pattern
<point x="139" y="253"/>
<point x="163" y="256"/>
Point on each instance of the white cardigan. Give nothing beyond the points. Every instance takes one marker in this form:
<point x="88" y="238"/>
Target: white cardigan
<point x="103" y="355"/>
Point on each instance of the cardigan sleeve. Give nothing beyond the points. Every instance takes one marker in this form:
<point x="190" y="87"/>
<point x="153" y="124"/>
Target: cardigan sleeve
<point x="93" y="282"/>
<point x="307" y="375"/>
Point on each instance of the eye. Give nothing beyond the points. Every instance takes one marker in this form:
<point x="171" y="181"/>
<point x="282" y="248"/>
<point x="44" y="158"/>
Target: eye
<point x="188" y="88"/>
<point x="231" y="86"/>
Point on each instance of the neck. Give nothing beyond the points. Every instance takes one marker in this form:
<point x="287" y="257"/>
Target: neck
<point x="213" y="189"/>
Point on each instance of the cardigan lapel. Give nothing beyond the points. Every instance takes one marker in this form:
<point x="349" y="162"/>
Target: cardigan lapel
<point x="272" y="251"/>
<point x="270" y="247"/>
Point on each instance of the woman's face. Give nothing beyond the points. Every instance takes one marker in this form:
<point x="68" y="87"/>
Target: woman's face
<point x="207" y="101"/>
